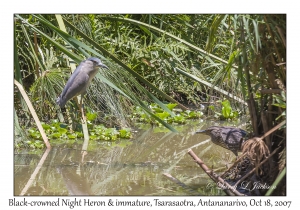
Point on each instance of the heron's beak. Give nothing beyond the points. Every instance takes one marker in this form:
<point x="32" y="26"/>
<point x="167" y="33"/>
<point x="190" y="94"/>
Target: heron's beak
<point x="103" y="66"/>
<point x="200" y="131"/>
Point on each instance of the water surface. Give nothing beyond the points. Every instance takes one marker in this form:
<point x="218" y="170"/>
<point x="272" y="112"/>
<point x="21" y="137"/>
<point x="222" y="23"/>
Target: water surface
<point x="126" y="167"/>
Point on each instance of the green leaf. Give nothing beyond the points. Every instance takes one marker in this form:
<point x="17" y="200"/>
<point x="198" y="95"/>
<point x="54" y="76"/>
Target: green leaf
<point x="79" y="134"/>
<point x="171" y="106"/>
<point x="163" y="115"/>
<point x="93" y="137"/>
<point x="45" y="126"/>
<point x="227" y="110"/>
<point x="72" y="136"/>
<point x="55" y="135"/>
<point x="62" y="130"/>
<point x="91" y="116"/>
<point x="158" y="110"/>
<point x="179" y="119"/>
<point x="280" y="105"/>
<point x="156" y="117"/>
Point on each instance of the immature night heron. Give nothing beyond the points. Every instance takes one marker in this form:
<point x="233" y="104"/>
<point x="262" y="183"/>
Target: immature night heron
<point x="230" y="138"/>
<point x="79" y="81"/>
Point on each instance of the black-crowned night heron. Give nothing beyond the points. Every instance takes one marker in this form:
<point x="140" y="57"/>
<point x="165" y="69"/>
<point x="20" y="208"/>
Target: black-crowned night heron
<point x="230" y="138"/>
<point x="80" y="80"/>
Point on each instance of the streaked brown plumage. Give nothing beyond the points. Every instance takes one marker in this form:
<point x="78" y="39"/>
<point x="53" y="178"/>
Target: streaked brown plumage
<point x="230" y="138"/>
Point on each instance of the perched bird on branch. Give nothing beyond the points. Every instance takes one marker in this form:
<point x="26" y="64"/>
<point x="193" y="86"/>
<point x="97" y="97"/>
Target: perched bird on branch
<point x="80" y="80"/>
<point x="230" y="138"/>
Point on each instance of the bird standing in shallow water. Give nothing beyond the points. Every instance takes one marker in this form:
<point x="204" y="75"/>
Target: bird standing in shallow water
<point x="80" y="80"/>
<point x="230" y="138"/>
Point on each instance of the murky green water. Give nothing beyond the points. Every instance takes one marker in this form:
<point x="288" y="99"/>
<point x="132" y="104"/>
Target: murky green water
<point x="125" y="167"/>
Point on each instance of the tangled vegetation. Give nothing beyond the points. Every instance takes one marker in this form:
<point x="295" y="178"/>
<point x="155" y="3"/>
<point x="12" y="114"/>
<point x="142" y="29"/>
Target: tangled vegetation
<point x="237" y="61"/>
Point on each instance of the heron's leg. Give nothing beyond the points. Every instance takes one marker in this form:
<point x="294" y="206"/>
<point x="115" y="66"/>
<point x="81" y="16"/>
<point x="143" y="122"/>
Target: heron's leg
<point x="78" y="108"/>
<point x="81" y="108"/>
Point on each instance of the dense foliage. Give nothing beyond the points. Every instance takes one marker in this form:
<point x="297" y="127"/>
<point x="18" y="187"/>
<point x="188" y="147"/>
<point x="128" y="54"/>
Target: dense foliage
<point x="231" y="62"/>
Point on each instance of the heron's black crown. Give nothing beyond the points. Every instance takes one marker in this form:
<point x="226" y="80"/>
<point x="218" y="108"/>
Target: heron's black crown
<point x="97" y="61"/>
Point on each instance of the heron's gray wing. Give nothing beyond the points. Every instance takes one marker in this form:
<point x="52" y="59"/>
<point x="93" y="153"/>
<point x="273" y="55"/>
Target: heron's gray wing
<point x="75" y="85"/>
<point x="72" y="78"/>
